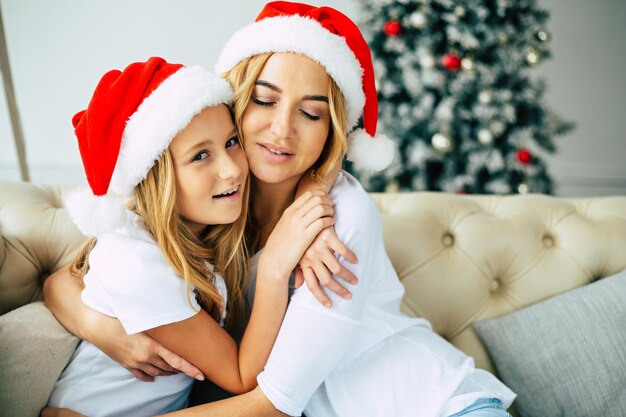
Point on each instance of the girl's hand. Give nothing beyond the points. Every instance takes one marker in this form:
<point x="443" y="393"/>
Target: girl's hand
<point x="301" y="222"/>
<point x="318" y="264"/>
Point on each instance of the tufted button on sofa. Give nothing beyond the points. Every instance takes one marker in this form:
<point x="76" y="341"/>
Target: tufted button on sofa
<point x="461" y="259"/>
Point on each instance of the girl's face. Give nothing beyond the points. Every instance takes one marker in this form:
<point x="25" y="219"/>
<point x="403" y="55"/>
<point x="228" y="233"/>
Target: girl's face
<point x="211" y="169"/>
<point x="286" y="123"/>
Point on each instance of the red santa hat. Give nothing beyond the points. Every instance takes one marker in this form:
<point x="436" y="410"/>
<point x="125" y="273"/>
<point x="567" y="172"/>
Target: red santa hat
<point x="333" y="40"/>
<point x="131" y="119"/>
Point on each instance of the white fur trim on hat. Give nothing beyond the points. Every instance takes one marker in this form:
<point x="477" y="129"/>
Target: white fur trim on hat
<point x="160" y="117"/>
<point x="305" y="36"/>
<point x="370" y="153"/>
<point x="95" y="215"/>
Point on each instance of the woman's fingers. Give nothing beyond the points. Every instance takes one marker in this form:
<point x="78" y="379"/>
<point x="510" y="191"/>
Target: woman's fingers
<point x="313" y="285"/>
<point x="179" y="363"/>
<point x="141" y="375"/>
<point x="59" y="412"/>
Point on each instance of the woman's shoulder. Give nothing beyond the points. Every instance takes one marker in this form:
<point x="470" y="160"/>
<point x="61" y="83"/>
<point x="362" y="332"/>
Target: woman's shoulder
<point x="354" y="208"/>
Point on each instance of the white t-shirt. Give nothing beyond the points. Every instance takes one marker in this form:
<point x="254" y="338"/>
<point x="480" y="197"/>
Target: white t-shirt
<point x="129" y="279"/>
<point x="363" y="356"/>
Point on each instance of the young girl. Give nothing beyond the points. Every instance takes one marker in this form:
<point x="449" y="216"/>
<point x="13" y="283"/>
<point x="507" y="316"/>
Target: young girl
<point x="173" y="263"/>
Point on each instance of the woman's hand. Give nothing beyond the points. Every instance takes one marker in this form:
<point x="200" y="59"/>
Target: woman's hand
<point x="59" y="412"/>
<point x="145" y="358"/>
<point x="301" y="222"/>
<point x="319" y="263"/>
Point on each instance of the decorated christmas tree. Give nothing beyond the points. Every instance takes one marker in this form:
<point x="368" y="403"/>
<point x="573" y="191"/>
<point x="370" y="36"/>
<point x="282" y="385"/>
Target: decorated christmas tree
<point x="456" y="94"/>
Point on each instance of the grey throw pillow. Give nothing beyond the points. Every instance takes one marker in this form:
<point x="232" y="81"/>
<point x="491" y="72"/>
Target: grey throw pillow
<point x="565" y="356"/>
<point x="34" y="350"/>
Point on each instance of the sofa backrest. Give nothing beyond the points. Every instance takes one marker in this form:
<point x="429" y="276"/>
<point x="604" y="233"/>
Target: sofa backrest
<point x="467" y="258"/>
<point x="460" y="258"/>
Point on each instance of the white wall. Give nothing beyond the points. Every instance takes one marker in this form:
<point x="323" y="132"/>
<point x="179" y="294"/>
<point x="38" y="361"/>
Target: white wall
<point x="60" y="48"/>
<point x="586" y="84"/>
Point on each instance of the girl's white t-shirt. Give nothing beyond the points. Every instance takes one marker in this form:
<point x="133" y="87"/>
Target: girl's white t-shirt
<point x="129" y="279"/>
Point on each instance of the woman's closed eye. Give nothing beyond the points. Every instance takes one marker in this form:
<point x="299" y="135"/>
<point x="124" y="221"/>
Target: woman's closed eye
<point x="262" y="102"/>
<point x="310" y="116"/>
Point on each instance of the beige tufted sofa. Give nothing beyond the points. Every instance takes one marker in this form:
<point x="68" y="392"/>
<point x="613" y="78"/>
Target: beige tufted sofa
<point x="461" y="258"/>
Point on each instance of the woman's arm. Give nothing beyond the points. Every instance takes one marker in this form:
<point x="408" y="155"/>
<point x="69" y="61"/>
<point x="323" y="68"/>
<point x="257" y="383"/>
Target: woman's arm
<point x="202" y="341"/>
<point x="250" y="404"/>
<point x="138" y="353"/>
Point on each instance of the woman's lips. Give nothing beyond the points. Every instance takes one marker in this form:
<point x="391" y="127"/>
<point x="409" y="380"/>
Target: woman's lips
<point x="270" y="152"/>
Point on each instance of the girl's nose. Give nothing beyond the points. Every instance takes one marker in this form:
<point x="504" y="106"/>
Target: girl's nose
<point x="229" y="168"/>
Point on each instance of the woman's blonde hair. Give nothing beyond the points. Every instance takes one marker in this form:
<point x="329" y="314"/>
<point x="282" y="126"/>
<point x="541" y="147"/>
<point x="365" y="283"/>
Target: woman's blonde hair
<point x="242" y="79"/>
<point x="156" y="200"/>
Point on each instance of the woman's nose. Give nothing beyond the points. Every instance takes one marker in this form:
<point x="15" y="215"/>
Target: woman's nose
<point x="282" y="125"/>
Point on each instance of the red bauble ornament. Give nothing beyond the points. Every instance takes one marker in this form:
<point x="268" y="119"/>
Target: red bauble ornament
<point x="524" y="156"/>
<point x="451" y="62"/>
<point x="392" y="28"/>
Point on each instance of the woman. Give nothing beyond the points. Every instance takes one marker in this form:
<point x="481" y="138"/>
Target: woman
<point x="302" y="78"/>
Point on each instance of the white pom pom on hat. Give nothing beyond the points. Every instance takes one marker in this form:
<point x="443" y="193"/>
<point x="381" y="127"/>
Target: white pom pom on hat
<point x="131" y="119"/>
<point x="331" y="39"/>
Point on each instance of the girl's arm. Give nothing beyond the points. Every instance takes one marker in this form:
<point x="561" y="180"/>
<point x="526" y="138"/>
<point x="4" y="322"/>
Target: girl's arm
<point x="138" y="353"/>
<point x="203" y="342"/>
<point x="319" y="262"/>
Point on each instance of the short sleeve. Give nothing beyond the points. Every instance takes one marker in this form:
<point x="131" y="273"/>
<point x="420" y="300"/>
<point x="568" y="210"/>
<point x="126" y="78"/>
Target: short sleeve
<point x="131" y="280"/>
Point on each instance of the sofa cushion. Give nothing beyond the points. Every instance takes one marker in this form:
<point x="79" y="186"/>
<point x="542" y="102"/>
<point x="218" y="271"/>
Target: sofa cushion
<point x="565" y="356"/>
<point x="34" y="349"/>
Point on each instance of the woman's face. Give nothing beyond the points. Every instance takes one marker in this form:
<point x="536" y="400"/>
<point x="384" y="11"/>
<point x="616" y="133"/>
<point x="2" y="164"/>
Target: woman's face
<point x="286" y="123"/>
<point x="211" y="169"/>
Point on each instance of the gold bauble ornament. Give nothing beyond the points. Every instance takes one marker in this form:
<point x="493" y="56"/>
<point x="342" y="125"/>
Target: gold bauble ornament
<point x="442" y="142"/>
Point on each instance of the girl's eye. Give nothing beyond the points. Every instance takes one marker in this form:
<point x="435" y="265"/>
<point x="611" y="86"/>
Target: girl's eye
<point x="200" y="156"/>
<point x="310" y="116"/>
<point x="261" y="102"/>
<point x="232" y="141"/>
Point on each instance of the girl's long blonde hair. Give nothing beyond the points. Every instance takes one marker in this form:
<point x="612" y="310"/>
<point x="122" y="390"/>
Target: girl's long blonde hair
<point x="243" y="77"/>
<point x="156" y="200"/>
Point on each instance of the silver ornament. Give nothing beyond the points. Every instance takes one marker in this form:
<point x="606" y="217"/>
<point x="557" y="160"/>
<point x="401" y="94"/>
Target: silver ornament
<point x="485" y="137"/>
<point x="418" y="20"/>
<point x="484" y="97"/>
<point x="523" y="188"/>
<point x="459" y="11"/>
<point x="543" y="35"/>
<point x="467" y="64"/>
<point x="441" y="142"/>
<point x="427" y="61"/>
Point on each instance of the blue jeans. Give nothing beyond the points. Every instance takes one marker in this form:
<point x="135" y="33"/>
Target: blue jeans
<point x="485" y="407"/>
